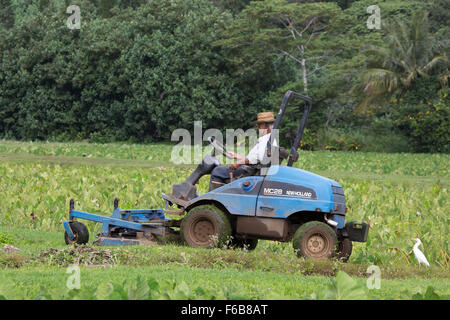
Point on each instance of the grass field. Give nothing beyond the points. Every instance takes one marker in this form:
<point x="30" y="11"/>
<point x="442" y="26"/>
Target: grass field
<point x="401" y="195"/>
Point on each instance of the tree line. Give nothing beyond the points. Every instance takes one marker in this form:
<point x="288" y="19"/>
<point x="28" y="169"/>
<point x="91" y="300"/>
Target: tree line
<point x="138" y="69"/>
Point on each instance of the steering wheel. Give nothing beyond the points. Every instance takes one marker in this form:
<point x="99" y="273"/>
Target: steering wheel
<point x="219" y="148"/>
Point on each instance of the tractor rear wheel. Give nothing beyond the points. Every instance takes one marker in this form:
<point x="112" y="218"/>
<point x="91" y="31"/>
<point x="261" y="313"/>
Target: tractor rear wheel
<point x="344" y="250"/>
<point x="315" y="239"/>
<point x="80" y="231"/>
<point x="205" y="226"/>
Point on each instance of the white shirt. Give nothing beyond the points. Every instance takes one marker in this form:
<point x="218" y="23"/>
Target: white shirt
<point x="256" y="154"/>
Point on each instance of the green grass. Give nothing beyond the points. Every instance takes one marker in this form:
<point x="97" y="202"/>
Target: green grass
<point x="27" y="283"/>
<point x="219" y="273"/>
<point x="401" y="195"/>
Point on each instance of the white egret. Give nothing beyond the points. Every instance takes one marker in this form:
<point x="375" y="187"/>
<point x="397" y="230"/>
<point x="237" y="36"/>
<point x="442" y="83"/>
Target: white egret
<point x="419" y="255"/>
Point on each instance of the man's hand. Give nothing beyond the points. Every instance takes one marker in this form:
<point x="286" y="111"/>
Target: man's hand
<point x="235" y="155"/>
<point x="238" y="163"/>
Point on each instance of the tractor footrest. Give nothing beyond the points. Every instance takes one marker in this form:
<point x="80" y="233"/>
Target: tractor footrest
<point x="171" y="198"/>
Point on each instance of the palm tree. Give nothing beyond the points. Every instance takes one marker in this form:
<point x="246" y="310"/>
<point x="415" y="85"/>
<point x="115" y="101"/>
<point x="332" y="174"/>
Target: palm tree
<point x="412" y="52"/>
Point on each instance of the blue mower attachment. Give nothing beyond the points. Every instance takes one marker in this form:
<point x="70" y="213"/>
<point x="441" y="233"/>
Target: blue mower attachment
<point x="123" y="227"/>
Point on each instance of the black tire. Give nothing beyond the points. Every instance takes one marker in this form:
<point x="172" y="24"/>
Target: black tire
<point x="344" y="250"/>
<point x="315" y="239"/>
<point x="205" y="226"/>
<point x="80" y="231"/>
<point x="247" y="244"/>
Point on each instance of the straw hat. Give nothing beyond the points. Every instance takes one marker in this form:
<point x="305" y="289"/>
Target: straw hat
<point x="265" y="117"/>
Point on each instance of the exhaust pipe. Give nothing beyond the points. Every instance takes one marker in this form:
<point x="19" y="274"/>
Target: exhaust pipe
<point x="332" y="223"/>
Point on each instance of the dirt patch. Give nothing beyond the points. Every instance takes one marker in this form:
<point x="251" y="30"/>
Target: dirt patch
<point x="12" y="259"/>
<point x="80" y="255"/>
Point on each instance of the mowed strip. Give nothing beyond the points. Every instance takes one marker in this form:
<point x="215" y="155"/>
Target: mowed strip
<point x="68" y="161"/>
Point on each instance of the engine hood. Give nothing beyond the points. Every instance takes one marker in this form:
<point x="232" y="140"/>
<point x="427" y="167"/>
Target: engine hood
<point x="296" y="176"/>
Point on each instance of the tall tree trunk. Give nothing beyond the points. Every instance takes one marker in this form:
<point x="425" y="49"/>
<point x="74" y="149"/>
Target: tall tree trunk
<point x="305" y="78"/>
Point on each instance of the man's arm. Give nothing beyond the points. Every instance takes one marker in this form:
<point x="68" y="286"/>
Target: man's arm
<point x="250" y="158"/>
<point x="254" y="156"/>
<point x="236" y="156"/>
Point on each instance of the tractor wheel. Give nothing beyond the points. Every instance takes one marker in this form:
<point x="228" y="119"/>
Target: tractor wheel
<point x="205" y="226"/>
<point x="344" y="250"/>
<point x="247" y="244"/>
<point x="80" y="232"/>
<point x="315" y="239"/>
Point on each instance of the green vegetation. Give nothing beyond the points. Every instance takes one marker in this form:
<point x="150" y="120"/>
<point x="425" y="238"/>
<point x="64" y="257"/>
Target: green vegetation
<point x="401" y="195"/>
<point x="181" y="282"/>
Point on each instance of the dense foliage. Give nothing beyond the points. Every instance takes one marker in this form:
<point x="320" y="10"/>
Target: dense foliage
<point x="138" y="69"/>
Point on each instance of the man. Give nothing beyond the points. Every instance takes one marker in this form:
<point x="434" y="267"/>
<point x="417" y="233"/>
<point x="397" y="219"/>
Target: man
<point x="265" y="122"/>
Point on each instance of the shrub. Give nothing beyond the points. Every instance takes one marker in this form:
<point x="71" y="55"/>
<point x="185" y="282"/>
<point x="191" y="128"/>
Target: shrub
<point x="364" y="139"/>
<point x="136" y="72"/>
<point x="427" y="124"/>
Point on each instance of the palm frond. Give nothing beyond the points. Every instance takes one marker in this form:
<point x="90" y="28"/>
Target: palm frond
<point x="436" y="61"/>
<point x="443" y="78"/>
<point x="411" y="52"/>
<point x="376" y="51"/>
<point x="409" y="79"/>
<point x="379" y="79"/>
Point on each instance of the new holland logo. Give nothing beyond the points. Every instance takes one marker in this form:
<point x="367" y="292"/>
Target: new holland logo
<point x="299" y="194"/>
<point x="279" y="192"/>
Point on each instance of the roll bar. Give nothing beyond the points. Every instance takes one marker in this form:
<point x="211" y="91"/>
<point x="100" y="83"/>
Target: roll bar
<point x="293" y="155"/>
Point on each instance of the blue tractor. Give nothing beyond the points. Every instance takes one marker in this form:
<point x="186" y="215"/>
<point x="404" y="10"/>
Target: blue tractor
<point x="271" y="201"/>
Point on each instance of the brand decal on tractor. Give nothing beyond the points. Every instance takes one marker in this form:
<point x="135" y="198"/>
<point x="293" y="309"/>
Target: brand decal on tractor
<point x="280" y="192"/>
<point x="299" y="194"/>
<point x="273" y="191"/>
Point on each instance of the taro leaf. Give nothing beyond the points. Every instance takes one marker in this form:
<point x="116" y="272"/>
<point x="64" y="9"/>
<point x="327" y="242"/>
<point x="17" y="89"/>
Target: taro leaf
<point x="182" y="291"/>
<point x="153" y="284"/>
<point x="153" y="287"/>
<point x="430" y="294"/>
<point x="343" y="287"/>
<point x="72" y="294"/>
<point x="229" y="293"/>
<point x="119" y="292"/>
<point x="138" y="290"/>
<point x="42" y="294"/>
<point x="179" y="292"/>
<point x="83" y="294"/>
<point x="199" y="292"/>
<point x="104" y="290"/>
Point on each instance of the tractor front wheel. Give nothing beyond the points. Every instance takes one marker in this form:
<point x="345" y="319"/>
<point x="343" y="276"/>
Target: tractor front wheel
<point x="205" y="226"/>
<point x="315" y="239"/>
<point x="80" y="231"/>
